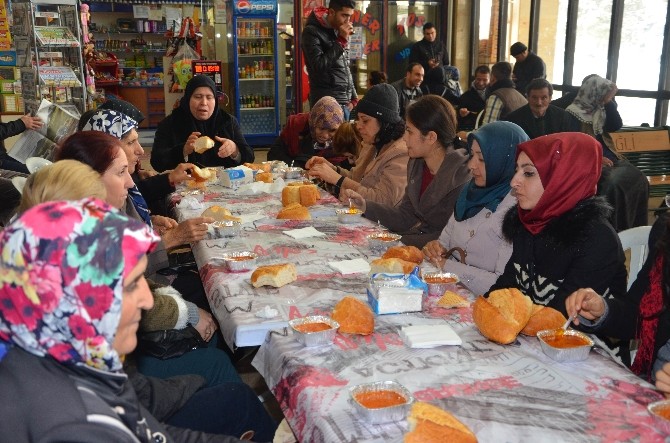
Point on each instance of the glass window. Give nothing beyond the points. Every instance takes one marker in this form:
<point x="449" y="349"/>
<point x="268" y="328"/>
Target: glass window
<point x="593" y="30"/>
<point x="641" y="44"/>
<point x="488" y="30"/>
<point x="551" y="37"/>
<point x="635" y="111"/>
<point x="406" y="20"/>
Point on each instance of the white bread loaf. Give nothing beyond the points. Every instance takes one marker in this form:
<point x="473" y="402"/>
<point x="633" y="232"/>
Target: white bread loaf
<point x="306" y="195"/>
<point x="391" y="266"/>
<point x="502" y="315"/>
<point x="274" y="275"/>
<point x="202" y="174"/>
<point x="407" y="253"/>
<point x="203" y="143"/>
<point x="219" y="213"/>
<point x="541" y="318"/>
<point x="294" y="211"/>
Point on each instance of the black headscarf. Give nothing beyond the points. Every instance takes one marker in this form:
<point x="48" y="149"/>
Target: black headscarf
<point x="205" y="127"/>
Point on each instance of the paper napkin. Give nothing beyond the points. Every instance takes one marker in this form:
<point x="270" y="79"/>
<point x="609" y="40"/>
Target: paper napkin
<point x="304" y="233"/>
<point x="429" y="336"/>
<point x="355" y="266"/>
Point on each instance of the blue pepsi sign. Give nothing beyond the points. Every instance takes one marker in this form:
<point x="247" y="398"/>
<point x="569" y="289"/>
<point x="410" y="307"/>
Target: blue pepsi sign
<point x="255" y="7"/>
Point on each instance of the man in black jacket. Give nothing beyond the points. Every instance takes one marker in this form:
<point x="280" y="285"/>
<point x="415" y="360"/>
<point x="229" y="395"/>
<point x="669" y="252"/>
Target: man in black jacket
<point x="429" y="51"/>
<point x="528" y="66"/>
<point x="472" y="101"/>
<point x="325" y="43"/>
<point x="10" y="129"/>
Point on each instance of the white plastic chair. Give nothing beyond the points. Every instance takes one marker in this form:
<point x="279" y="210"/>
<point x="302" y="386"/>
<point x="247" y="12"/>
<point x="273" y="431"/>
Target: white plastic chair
<point x="636" y="240"/>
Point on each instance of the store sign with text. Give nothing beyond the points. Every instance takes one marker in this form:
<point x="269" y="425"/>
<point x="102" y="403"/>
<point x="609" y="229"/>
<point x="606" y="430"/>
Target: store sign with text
<point x="255" y="7"/>
<point x="210" y="68"/>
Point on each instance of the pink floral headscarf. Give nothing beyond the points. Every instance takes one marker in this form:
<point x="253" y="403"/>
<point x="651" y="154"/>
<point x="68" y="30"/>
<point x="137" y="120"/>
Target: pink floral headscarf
<point x="62" y="266"/>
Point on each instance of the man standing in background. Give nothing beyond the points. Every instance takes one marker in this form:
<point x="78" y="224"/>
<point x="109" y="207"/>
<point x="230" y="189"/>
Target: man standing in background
<point x="325" y="44"/>
<point x="528" y="66"/>
<point x="408" y="87"/>
<point x="430" y="52"/>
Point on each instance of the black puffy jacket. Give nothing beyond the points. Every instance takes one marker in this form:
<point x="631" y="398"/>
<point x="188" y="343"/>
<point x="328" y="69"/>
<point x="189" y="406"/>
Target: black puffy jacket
<point x="327" y="63"/>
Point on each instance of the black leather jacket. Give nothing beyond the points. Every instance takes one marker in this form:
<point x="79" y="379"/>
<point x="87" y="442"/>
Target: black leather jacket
<point x="327" y="63"/>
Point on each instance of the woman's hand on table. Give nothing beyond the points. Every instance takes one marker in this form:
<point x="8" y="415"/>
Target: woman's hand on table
<point x="206" y="326"/>
<point x="324" y="172"/>
<point x="587" y="303"/>
<point x="351" y="197"/>
<point x="317" y="160"/>
<point x="189" y="146"/>
<point x="228" y="148"/>
<point x="434" y="252"/>
<point x="188" y="231"/>
<point x="663" y="380"/>
<point x="180" y="173"/>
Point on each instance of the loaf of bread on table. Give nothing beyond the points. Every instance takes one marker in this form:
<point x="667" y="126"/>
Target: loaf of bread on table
<point x="265" y="177"/>
<point x="430" y="424"/>
<point x="541" y="318"/>
<point x="502" y="315"/>
<point x="306" y="195"/>
<point x="294" y="211"/>
<point x="265" y="167"/>
<point x="203" y="143"/>
<point x="202" y="174"/>
<point x="354" y="316"/>
<point x="407" y="253"/>
<point x="274" y="275"/>
<point x="391" y="266"/>
<point x="219" y="213"/>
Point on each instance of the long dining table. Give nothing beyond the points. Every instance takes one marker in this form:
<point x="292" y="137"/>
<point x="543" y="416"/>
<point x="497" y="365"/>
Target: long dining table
<point x="503" y="393"/>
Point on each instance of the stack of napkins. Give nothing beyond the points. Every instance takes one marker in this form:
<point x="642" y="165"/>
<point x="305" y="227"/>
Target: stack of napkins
<point x="304" y="233"/>
<point x="429" y="336"/>
<point x="355" y="266"/>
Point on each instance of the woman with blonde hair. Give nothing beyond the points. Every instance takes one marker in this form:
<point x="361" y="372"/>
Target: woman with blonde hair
<point x="63" y="180"/>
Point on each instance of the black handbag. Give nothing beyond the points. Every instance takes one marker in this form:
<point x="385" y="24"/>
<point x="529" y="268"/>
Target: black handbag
<point x="170" y="343"/>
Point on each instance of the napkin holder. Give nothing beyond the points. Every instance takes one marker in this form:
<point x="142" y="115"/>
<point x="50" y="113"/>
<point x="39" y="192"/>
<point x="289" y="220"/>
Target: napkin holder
<point x="235" y="177"/>
<point x="396" y="293"/>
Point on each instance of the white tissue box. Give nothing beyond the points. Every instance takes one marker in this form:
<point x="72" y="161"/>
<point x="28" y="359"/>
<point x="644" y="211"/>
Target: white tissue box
<point x="235" y="177"/>
<point x="393" y="294"/>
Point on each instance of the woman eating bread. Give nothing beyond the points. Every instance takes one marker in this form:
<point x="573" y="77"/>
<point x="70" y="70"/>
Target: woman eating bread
<point x="308" y="134"/>
<point x="436" y="173"/>
<point x="476" y="224"/>
<point x="380" y="174"/>
<point x="560" y="233"/>
<point x="179" y="136"/>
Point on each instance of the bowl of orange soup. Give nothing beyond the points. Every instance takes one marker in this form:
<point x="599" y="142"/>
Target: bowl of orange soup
<point x="565" y="346"/>
<point x="381" y="402"/>
<point x="314" y="330"/>
<point x="661" y="411"/>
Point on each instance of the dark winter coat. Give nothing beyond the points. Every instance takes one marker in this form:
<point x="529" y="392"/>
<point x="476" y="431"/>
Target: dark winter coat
<point x="578" y="249"/>
<point x="327" y="62"/>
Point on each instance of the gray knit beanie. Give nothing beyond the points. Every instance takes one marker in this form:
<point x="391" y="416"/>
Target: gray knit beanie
<point x="381" y="102"/>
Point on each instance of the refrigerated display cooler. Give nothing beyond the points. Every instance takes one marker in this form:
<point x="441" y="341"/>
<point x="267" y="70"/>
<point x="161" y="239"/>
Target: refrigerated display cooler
<point x="256" y="70"/>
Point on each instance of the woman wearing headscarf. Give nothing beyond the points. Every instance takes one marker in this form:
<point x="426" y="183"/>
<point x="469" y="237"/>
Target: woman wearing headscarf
<point x="199" y="115"/>
<point x="624" y="186"/>
<point x="436" y="173"/>
<point x="73" y="291"/>
<point x="380" y="174"/>
<point x="476" y="224"/>
<point x="560" y="233"/>
<point x="308" y="134"/>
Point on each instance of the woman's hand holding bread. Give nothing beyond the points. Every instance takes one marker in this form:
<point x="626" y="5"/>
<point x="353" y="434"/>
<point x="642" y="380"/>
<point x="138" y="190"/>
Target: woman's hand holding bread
<point x="189" y="146"/>
<point x="188" y="231"/>
<point x="587" y="303"/>
<point x="180" y="173"/>
<point x="356" y="199"/>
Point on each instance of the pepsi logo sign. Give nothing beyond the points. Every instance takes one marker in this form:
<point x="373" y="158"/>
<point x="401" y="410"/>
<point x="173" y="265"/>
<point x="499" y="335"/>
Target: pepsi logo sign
<point x="243" y="6"/>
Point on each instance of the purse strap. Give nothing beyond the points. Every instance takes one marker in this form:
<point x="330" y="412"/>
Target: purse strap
<point x="461" y="252"/>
